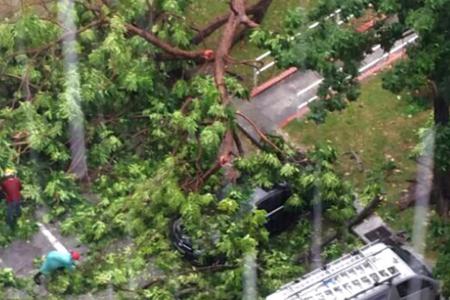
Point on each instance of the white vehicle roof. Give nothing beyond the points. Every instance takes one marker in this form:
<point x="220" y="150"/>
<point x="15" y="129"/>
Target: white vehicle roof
<point x="349" y="277"/>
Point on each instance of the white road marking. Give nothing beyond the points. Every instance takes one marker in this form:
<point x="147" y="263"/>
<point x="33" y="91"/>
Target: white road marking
<point x="307" y="102"/>
<point x="51" y="238"/>
<point x="376" y="47"/>
<point x="399" y="47"/>
<point x="264" y="55"/>
<point x="266" y="67"/>
<point x="311" y="26"/>
<point x="313" y="85"/>
<point x="361" y="70"/>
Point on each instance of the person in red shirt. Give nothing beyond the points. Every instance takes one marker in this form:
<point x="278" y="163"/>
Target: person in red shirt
<point x="11" y="187"/>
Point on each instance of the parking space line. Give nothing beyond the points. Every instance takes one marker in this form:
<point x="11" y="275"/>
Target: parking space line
<point x="51" y="238"/>
<point x="307" y="102"/>
<point x="313" y="85"/>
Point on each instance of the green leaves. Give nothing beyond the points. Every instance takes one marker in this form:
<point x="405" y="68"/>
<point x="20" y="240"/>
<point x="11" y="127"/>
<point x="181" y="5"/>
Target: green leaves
<point x="7" y="37"/>
<point x="7" y="277"/>
<point x="108" y="144"/>
<point x="271" y="160"/>
<point x="259" y="37"/>
<point x="99" y="229"/>
<point x="171" y="6"/>
<point x="34" y="31"/>
<point x="288" y="170"/>
<point x="211" y="136"/>
<point x="61" y="189"/>
<point x="228" y="206"/>
<point x="181" y="89"/>
<point x="422" y="20"/>
<point x="330" y="180"/>
<point x="150" y="127"/>
<point x="442" y="148"/>
<point x="295" y="202"/>
<point x="117" y="24"/>
<point x="389" y="6"/>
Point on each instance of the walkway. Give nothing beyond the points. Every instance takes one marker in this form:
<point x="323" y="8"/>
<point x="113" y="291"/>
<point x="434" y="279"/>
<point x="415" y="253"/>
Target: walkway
<point x="19" y="255"/>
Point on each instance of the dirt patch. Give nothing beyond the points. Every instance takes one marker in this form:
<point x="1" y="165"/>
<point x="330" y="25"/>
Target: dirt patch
<point x="8" y="8"/>
<point x="407" y="197"/>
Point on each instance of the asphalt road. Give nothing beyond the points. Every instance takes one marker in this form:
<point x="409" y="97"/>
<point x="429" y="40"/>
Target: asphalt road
<point x="19" y="255"/>
<point x="275" y="106"/>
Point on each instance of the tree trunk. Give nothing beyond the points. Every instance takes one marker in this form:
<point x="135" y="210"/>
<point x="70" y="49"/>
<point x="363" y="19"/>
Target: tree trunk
<point x="441" y="189"/>
<point x="258" y="10"/>
<point x="441" y="113"/>
<point x="441" y="178"/>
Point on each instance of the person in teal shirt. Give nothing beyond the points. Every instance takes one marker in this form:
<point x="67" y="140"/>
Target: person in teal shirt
<point x="57" y="260"/>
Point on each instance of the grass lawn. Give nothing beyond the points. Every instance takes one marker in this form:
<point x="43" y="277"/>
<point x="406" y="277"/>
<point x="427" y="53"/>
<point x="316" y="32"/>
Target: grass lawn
<point x="382" y="130"/>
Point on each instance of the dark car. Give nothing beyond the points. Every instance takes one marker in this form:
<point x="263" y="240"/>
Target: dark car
<point x="273" y="201"/>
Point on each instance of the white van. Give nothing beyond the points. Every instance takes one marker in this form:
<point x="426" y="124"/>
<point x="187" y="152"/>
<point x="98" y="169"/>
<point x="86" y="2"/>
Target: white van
<point x="374" y="272"/>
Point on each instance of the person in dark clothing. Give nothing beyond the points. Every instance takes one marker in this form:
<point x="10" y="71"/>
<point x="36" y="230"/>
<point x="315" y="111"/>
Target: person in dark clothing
<point x="11" y="188"/>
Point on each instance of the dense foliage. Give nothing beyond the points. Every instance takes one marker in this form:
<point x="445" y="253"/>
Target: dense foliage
<point x="151" y="128"/>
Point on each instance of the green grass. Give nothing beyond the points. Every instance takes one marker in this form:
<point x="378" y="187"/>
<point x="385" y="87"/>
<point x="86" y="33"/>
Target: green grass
<point x="379" y="127"/>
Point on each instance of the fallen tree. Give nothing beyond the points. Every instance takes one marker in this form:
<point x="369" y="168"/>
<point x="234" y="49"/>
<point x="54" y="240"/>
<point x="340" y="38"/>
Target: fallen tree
<point x="327" y="240"/>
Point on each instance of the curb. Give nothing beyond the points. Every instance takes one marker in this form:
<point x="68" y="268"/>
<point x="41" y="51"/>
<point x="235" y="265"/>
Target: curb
<point x="391" y="59"/>
<point x="271" y="82"/>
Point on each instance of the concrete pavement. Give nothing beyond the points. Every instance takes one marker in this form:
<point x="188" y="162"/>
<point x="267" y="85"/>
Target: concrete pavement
<point x="19" y="255"/>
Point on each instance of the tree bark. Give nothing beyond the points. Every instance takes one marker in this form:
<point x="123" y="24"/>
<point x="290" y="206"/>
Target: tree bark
<point x="441" y="189"/>
<point x="441" y="178"/>
<point x="258" y="10"/>
<point x="150" y="37"/>
<point x="236" y="17"/>
<point x="440" y="110"/>
<point x="258" y="15"/>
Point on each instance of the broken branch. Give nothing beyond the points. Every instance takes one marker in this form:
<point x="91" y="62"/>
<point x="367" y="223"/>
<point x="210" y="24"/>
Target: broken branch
<point x="258" y="131"/>
<point x="367" y="211"/>
<point x="150" y="37"/>
<point x="256" y="9"/>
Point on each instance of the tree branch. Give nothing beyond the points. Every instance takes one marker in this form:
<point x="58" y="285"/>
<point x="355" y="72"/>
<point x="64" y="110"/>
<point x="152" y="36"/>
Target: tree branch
<point x="212" y="268"/>
<point x="234" y="20"/>
<point x="37" y="51"/>
<point x="258" y="131"/>
<point x="222" y="20"/>
<point x="367" y="211"/>
<point x="238" y="142"/>
<point x="150" y="37"/>
<point x="218" y="22"/>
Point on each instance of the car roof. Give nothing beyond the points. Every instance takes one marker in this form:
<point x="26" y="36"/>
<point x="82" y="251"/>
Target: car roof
<point x="257" y="195"/>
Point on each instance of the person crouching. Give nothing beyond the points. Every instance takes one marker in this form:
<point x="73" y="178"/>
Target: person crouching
<point x="57" y="260"/>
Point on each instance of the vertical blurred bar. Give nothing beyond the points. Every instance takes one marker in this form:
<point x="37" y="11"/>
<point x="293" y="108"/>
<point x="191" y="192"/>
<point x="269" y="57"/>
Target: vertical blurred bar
<point x="66" y="15"/>
<point x="250" y="277"/>
<point x="422" y="196"/>
<point x="423" y="192"/>
<point x="316" y="242"/>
